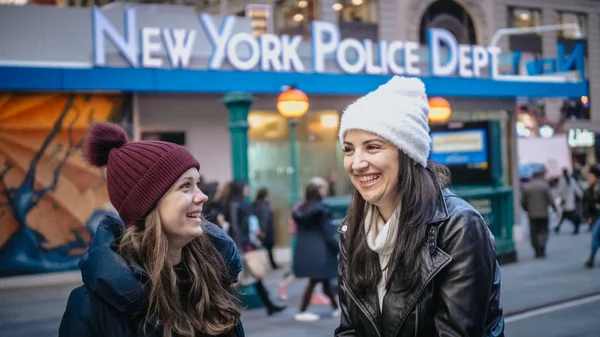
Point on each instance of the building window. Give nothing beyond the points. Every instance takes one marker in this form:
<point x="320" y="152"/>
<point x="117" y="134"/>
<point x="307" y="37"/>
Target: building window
<point x="356" y="10"/>
<point x="451" y="16"/>
<point x="524" y="17"/>
<point x="293" y="17"/>
<point x="569" y="17"/>
<point x="261" y="17"/>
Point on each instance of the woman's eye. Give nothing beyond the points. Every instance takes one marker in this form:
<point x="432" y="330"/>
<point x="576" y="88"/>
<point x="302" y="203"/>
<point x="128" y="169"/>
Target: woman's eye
<point x="186" y="185"/>
<point x="347" y="149"/>
<point x="372" y="147"/>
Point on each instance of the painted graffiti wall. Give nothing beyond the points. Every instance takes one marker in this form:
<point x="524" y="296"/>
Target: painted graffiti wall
<point x="50" y="200"/>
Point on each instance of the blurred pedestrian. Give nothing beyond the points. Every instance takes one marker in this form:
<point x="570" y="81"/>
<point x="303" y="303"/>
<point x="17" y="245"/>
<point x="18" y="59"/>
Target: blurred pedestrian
<point x="263" y="211"/>
<point x="592" y="207"/>
<point x="415" y="259"/>
<point x="159" y="269"/>
<point x="316" y="250"/>
<point x="211" y="207"/>
<point x="569" y="192"/>
<point x="331" y="184"/>
<point x="536" y="198"/>
<point x="289" y="276"/>
<point x="217" y="208"/>
<point x="244" y="225"/>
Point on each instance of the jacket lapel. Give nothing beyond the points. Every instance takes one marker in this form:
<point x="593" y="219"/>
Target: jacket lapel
<point x="397" y="306"/>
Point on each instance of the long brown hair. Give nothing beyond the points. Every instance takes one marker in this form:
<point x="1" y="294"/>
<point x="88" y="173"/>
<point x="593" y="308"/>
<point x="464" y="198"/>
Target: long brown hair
<point x="418" y="195"/>
<point x="210" y="307"/>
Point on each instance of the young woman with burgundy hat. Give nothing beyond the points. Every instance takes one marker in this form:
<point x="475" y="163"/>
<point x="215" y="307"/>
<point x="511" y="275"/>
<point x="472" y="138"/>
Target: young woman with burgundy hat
<point x="159" y="269"/>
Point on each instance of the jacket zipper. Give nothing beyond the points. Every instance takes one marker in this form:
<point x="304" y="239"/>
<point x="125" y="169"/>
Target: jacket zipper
<point x="364" y="311"/>
<point x="421" y="293"/>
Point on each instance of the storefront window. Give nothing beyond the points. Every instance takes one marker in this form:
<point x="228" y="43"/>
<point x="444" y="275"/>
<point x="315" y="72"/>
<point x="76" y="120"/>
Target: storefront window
<point x="576" y="18"/>
<point x="319" y="154"/>
<point x="293" y="17"/>
<point x="357" y="10"/>
<point x="524" y="17"/>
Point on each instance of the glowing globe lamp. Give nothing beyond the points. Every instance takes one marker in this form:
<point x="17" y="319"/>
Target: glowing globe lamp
<point x="292" y="103"/>
<point x="439" y="110"/>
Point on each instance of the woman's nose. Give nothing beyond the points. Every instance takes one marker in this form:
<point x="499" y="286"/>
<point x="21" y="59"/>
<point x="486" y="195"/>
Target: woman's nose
<point x="358" y="163"/>
<point x="200" y="197"/>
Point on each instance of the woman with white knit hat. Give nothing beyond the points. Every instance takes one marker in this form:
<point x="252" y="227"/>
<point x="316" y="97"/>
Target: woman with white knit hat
<point x="415" y="259"/>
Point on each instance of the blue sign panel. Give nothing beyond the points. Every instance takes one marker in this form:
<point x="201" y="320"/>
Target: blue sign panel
<point x="460" y="148"/>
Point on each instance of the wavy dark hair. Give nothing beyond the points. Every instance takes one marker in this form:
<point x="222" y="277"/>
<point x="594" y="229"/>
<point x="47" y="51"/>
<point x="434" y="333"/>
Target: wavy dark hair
<point x="418" y="193"/>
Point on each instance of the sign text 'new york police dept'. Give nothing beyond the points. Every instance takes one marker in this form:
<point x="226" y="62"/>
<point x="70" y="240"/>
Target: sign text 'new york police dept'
<point x="144" y="47"/>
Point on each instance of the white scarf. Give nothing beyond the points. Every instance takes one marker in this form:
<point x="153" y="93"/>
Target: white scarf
<point x="381" y="238"/>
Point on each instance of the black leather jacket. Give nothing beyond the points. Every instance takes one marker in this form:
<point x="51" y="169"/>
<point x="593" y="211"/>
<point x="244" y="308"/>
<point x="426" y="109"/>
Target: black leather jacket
<point x="460" y="290"/>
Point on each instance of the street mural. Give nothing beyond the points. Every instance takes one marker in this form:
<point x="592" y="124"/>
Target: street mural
<point x="50" y="200"/>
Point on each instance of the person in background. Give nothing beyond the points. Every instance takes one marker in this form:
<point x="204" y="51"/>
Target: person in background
<point x="263" y="211"/>
<point x="316" y="250"/>
<point x="211" y="207"/>
<point x="332" y="182"/>
<point x="289" y="276"/>
<point x="569" y="192"/>
<point x="592" y="210"/>
<point x="238" y="214"/>
<point x="159" y="269"/>
<point x="535" y="200"/>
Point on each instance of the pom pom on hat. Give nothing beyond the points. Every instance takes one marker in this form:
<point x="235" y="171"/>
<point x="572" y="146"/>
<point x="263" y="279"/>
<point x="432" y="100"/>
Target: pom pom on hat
<point x="398" y="112"/>
<point x="100" y="140"/>
<point x="138" y="174"/>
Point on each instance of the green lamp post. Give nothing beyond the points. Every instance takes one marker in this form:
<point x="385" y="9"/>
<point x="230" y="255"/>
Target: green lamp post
<point x="293" y="104"/>
<point x="238" y="104"/>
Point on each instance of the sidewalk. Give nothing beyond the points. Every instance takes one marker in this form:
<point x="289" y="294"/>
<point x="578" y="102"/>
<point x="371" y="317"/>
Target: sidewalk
<point x="30" y="310"/>
<point x="530" y="282"/>
<point x="526" y="284"/>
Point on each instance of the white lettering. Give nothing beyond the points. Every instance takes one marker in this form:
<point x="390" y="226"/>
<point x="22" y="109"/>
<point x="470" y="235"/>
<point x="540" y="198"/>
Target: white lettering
<point x="494" y="66"/>
<point x="179" y="45"/>
<point x="149" y="47"/>
<point x="435" y="37"/>
<point x="371" y="68"/>
<point x="480" y="60"/>
<point x="270" y="47"/>
<point x="322" y="46"/>
<point x="382" y="54"/>
<point x="392" y="49"/>
<point x="359" y="64"/>
<point x="581" y="138"/>
<point x="464" y="61"/>
<point x="127" y="45"/>
<point x="411" y="58"/>
<point x="233" y="56"/>
<point x="291" y="59"/>
<point x="218" y="41"/>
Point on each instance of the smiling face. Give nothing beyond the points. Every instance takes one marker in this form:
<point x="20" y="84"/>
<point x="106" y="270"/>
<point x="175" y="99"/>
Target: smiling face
<point x="180" y="209"/>
<point x="372" y="163"/>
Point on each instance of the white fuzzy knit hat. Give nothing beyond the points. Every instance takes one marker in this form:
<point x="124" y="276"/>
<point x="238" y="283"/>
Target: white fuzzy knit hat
<point x="396" y="111"/>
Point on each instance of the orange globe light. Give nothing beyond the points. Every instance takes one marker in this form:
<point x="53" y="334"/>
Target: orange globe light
<point x="292" y="103"/>
<point x="439" y="110"/>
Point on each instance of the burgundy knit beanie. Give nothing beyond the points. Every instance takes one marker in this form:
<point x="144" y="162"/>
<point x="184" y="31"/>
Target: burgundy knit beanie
<point x="138" y="174"/>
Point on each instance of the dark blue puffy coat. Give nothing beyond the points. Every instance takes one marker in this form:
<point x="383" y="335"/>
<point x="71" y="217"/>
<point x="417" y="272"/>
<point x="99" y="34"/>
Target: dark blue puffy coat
<point x="113" y="299"/>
